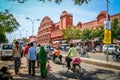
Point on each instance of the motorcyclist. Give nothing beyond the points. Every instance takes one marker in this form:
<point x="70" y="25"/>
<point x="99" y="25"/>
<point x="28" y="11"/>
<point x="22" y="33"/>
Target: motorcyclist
<point x="71" y="54"/>
<point x="117" y="52"/>
<point x="56" y="54"/>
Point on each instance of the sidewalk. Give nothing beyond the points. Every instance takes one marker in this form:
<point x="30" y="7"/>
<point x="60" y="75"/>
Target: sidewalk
<point x="57" y="72"/>
<point x="54" y="74"/>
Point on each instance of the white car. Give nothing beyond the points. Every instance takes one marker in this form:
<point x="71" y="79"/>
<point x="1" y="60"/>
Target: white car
<point x="6" y="50"/>
<point x="111" y="48"/>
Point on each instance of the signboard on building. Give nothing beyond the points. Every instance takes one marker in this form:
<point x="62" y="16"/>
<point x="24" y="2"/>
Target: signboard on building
<point x="107" y="36"/>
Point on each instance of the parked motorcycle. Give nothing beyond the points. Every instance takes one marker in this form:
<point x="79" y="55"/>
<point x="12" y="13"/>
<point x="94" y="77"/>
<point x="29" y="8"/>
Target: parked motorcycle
<point x="116" y="57"/>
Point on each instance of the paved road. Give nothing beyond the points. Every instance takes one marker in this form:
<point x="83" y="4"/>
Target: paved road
<point x="91" y="72"/>
<point x="97" y="56"/>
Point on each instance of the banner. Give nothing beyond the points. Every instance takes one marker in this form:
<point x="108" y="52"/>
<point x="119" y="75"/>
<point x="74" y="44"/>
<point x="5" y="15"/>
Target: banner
<point x="107" y="36"/>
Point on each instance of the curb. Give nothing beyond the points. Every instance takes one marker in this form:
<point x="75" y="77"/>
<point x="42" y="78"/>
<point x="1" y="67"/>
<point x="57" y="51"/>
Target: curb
<point x="99" y="63"/>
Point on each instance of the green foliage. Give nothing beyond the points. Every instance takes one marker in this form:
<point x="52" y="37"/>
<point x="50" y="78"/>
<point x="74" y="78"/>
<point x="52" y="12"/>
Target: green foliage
<point x="56" y="1"/>
<point x="100" y="33"/>
<point x="3" y="38"/>
<point x="115" y="28"/>
<point x="25" y="40"/>
<point x="86" y="35"/>
<point x="94" y="33"/>
<point x="8" y="23"/>
<point x="115" y="31"/>
<point x="71" y="33"/>
<point x="80" y="2"/>
<point x="76" y="2"/>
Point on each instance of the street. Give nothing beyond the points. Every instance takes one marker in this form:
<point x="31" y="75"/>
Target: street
<point x="91" y="72"/>
<point x="102" y="56"/>
<point x="97" y="56"/>
<point x="60" y="29"/>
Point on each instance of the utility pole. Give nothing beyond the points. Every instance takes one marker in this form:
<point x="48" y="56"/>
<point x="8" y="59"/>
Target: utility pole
<point x="32" y="21"/>
<point x="107" y="32"/>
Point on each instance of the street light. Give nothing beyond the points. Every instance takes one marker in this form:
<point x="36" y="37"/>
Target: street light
<point x="32" y="21"/>
<point x="108" y="29"/>
<point x="20" y="32"/>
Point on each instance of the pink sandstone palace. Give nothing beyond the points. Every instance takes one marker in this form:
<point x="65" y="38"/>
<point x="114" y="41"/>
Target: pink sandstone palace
<point x="49" y="32"/>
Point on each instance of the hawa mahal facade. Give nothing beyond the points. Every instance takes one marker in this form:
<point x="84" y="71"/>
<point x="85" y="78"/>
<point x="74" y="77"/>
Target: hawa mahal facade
<point x="50" y="32"/>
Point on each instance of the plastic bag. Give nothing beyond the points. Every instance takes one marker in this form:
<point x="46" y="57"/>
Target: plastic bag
<point x="48" y="67"/>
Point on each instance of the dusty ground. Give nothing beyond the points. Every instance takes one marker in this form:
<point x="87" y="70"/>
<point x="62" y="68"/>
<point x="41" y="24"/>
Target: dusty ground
<point x="56" y="72"/>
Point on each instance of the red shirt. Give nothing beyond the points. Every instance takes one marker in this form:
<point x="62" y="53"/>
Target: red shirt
<point x="26" y="50"/>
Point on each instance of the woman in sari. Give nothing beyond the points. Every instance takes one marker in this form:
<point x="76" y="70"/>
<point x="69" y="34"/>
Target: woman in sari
<point x="42" y="57"/>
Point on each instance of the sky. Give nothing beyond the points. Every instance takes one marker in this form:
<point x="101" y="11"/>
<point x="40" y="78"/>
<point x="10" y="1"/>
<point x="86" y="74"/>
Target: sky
<point x="34" y="9"/>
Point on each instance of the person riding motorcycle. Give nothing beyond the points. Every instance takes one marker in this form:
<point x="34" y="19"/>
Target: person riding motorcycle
<point x="56" y="54"/>
<point x="116" y="54"/>
<point x="72" y="53"/>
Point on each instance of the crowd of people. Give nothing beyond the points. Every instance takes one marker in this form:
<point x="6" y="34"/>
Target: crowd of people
<point x="38" y="55"/>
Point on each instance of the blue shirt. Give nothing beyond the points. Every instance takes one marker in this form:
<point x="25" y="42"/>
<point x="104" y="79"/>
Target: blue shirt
<point x="32" y="53"/>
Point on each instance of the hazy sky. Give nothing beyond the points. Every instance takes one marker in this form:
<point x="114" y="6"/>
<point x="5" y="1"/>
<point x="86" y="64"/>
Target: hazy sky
<point x="38" y="10"/>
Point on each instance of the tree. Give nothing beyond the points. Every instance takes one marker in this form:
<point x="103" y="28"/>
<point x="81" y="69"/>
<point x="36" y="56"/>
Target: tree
<point x="8" y="23"/>
<point x="71" y="33"/>
<point x="94" y="33"/>
<point x="76" y="2"/>
<point x="86" y="35"/>
<point x="25" y="40"/>
<point x="98" y="33"/>
<point x="101" y="34"/>
<point x="3" y="38"/>
<point x="115" y="28"/>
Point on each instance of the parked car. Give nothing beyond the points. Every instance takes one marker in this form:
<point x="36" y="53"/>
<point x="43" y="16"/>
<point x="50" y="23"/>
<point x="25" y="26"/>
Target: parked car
<point x="111" y="48"/>
<point x="64" y="47"/>
<point x="6" y="50"/>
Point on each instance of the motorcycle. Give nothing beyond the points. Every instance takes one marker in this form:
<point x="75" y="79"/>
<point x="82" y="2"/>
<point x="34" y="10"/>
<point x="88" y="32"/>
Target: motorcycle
<point x="116" y="57"/>
<point x="84" y="54"/>
<point x="57" y="59"/>
<point x="75" y="66"/>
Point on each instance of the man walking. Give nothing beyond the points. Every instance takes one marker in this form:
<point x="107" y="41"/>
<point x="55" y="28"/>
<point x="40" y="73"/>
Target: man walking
<point x="16" y="55"/>
<point x="32" y="58"/>
<point x="26" y="52"/>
